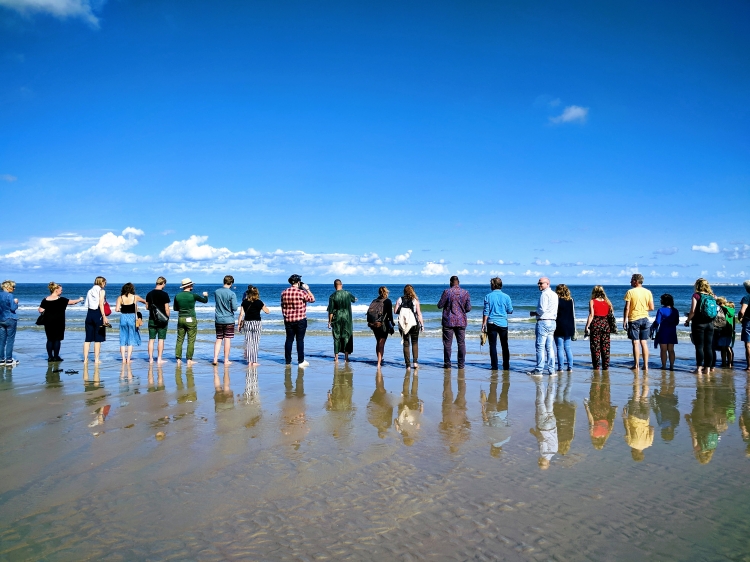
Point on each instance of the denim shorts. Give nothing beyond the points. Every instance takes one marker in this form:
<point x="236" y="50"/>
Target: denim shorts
<point x="638" y="329"/>
<point x="745" y="333"/>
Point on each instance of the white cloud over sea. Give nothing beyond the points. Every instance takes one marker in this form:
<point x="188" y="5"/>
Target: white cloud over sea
<point x="131" y="252"/>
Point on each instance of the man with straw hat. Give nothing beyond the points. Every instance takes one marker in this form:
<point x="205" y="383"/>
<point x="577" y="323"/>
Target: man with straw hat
<point x="184" y="303"/>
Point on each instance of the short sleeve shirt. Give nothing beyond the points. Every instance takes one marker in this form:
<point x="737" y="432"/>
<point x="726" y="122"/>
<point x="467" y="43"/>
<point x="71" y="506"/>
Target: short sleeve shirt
<point x="745" y="300"/>
<point x="639" y="298"/>
<point x="159" y="299"/>
<point x="252" y="309"/>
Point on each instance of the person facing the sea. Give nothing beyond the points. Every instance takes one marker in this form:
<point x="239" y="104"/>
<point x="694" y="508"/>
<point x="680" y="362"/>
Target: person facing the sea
<point x="96" y="320"/>
<point x="184" y="304"/>
<point x="638" y="301"/>
<point x="340" y="320"/>
<point x="744" y="317"/>
<point x="546" y="316"/>
<point x="565" y="326"/>
<point x="250" y="322"/>
<point x="127" y="306"/>
<point x="497" y="306"/>
<point x="157" y="299"/>
<point x="455" y="303"/>
<point x="53" y="307"/>
<point x="597" y="325"/>
<point x="8" y="323"/>
<point x="294" y="301"/>
<point x="226" y="304"/>
<point x="724" y="333"/>
<point x="380" y="321"/>
<point x="410" y="323"/>
<point x="667" y="319"/>
<point x="703" y="311"/>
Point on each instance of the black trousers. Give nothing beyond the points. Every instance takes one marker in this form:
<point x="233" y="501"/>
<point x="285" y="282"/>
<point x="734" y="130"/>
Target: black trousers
<point x="493" y="332"/>
<point x="703" y="339"/>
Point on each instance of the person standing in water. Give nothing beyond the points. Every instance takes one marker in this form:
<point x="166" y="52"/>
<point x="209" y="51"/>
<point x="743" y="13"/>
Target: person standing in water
<point x="340" y="320"/>
<point x="53" y="308"/>
<point x="184" y="304"/>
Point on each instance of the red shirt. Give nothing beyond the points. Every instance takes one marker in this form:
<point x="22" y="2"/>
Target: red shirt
<point x="294" y="304"/>
<point x="601" y="308"/>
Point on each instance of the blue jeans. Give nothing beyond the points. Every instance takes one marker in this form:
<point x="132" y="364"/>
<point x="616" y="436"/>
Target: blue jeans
<point x="563" y="348"/>
<point x="7" y="338"/>
<point x="545" y="345"/>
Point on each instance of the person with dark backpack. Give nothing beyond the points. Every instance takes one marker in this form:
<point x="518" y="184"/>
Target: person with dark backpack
<point x="380" y="321"/>
<point x="703" y="311"/>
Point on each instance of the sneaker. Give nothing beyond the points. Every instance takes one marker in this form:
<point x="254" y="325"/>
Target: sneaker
<point x="2" y="362"/>
<point x="11" y="362"/>
<point x="303" y="365"/>
<point x="535" y="373"/>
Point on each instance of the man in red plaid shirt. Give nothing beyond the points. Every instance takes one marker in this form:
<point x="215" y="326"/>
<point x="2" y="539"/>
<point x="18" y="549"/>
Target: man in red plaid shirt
<point x="294" y="308"/>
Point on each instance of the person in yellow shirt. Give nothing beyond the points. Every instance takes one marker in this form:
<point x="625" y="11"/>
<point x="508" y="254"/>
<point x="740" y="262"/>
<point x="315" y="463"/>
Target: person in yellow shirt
<point x="638" y="302"/>
<point x="636" y="417"/>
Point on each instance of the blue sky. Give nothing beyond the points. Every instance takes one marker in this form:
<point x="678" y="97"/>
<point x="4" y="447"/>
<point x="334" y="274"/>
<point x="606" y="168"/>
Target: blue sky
<point x="375" y="140"/>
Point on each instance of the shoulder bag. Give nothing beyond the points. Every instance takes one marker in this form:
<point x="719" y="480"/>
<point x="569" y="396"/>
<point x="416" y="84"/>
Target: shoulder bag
<point x="612" y="322"/>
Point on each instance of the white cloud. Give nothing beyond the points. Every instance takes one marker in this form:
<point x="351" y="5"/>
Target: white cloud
<point x="738" y="252"/>
<point x="712" y="248"/>
<point x="7" y="177"/>
<point x="571" y="114"/>
<point x="537" y="261"/>
<point x="402" y="258"/>
<point x="192" y="249"/>
<point x="434" y="268"/>
<point x="586" y="273"/>
<point x="111" y="248"/>
<point x="529" y="273"/>
<point x="62" y="9"/>
<point x="462" y="272"/>
<point x="674" y="274"/>
<point x="666" y="251"/>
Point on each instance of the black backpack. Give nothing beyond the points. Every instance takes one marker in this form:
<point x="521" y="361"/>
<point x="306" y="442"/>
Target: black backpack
<point x="375" y="313"/>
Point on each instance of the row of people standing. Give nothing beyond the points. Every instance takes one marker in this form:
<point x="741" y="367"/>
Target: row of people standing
<point x="713" y="321"/>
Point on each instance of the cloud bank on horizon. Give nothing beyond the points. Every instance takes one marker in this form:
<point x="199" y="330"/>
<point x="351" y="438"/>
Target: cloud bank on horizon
<point x="112" y="254"/>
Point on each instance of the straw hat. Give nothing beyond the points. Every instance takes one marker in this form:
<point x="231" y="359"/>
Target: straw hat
<point x="186" y="283"/>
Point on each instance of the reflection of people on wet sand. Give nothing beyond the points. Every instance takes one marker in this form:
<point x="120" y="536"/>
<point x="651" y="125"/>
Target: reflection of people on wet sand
<point x="565" y="414"/>
<point x="251" y="397"/>
<point x="639" y="433"/>
<point x="410" y="409"/>
<point x="339" y="404"/>
<point x="380" y="408"/>
<point x="664" y="405"/>
<point x="600" y="411"/>
<point x="191" y="395"/>
<point x="95" y="383"/>
<point x="294" y="425"/>
<point x="712" y="407"/>
<point x="159" y="377"/>
<point x="495" y="413"/>
<point x="223" y="397"/>
<point x="546" y="425"/>
<point x="101" y="414"/>
<point x="745" y="417"/>
<point x="455" y="426"/>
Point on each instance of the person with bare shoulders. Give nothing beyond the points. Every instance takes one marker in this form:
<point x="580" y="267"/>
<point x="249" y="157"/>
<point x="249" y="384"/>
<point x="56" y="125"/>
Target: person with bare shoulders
<point x="127" y="306"/>
<point x="638" y="302"/>
<point x="598" y="328"/>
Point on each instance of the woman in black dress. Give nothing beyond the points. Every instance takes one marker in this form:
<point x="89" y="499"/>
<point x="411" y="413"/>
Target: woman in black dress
<point x="53" y="308"/>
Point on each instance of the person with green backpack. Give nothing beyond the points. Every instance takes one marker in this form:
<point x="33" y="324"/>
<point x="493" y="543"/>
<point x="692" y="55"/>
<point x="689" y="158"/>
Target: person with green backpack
<point x="703" y="311"/>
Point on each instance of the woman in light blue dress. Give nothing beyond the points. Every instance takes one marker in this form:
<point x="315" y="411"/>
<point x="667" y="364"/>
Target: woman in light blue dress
<point x="127" y="306"/>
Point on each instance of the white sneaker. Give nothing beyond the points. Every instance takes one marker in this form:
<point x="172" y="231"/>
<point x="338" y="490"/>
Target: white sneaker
<point x="11" y="362"/>
<point x="303" y="365"/>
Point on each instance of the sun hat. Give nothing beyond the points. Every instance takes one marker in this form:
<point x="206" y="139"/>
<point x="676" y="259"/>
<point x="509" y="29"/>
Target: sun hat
<point x="186" y="283"/>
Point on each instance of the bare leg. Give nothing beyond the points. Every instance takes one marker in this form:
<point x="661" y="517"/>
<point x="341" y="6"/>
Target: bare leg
<point x="636" y="354"/>
<point x="97" y="347"/>
<point x="160" y="347"/>
<point x="86" y="346"/>
<point x="644" y="346"/>
<point x="227" y="348"/>
<point x="670" y="348"/>
<point x="217" y="347"/>
<point x="130" y="352"/>
<point x="663" y="353"/>
<point x="151" y="351"/>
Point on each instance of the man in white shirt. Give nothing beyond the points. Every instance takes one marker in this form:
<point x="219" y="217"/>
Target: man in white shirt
<point x="546" y="316"/>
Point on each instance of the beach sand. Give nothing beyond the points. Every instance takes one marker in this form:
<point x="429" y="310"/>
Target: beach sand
<point x="215" y="463"/>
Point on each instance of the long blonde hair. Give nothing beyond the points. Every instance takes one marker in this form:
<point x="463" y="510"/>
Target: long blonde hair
<point x="9" y="285"/>
<point x="598" y="293"/>
<point x="563" y="292"/>
<point x="703" y="286"/>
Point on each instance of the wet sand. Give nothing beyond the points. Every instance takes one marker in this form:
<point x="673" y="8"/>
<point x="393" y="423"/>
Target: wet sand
<point x="282" y="464"/>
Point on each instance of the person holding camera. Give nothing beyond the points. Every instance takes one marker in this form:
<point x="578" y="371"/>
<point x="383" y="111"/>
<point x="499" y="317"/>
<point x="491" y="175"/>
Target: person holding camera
<point x="294" y="308"/>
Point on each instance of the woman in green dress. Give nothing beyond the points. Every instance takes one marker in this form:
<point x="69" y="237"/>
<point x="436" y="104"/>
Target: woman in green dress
<point x="340" y="320"/>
